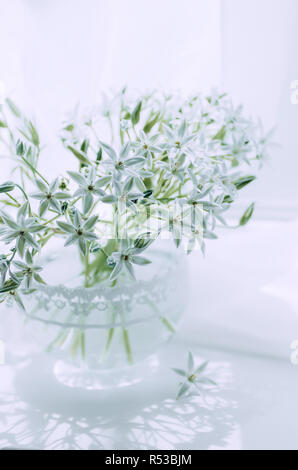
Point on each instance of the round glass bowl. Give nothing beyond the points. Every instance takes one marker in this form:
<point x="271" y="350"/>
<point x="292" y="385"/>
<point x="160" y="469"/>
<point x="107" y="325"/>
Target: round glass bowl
<point x="98" y="333"/>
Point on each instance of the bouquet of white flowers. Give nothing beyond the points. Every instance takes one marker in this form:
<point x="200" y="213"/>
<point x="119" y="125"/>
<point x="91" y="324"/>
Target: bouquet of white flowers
<point x="143" y="166"/>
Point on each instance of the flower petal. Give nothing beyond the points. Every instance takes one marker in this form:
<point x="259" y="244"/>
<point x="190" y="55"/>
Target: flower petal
<point x="77" y="177"/>
<point x="30" y="240"/>
<point x="116" y="271"/>
<point x="71" y="240"/>
<point x="62" y="196"/>
<point x="66" y="227"/>
<point x="83" y="246"/>
<point x="87" y="203"/>
<point x="43" y="207"/>
<point x="90" y="223"/>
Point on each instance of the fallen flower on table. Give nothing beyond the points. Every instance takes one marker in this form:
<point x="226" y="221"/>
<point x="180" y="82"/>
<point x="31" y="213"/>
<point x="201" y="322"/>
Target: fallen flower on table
<point x="194" y="377"/>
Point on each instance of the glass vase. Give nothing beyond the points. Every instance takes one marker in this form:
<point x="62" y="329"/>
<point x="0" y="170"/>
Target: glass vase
<point x="98" y="334"/>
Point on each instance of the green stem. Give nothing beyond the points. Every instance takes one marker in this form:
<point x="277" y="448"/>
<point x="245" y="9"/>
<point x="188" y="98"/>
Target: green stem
<point x="21" y="189"/>
<point x="127" y="346"/>
<point x="104" y="252"/>
<point x="104" y="221"/>
<point x="109" y="341"/>
<point x="52" y="220"/>
<point x="134" y="131"/>
<point x="26" y="197"/>
<point x="76" y="343"/>
<point x="83" y="344"/>
<point x="87" y="268"/>
<point x="168" y="324"/>
<point x="75" y="201"/>
<point x="164" y="320"/>
<point x="13" y="199"/>
<point x="14" y="253"/>
<point x="34" y="170"/>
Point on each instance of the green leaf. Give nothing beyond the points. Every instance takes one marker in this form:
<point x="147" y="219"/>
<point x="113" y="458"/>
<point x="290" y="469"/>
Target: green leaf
<point x="79" y="155"/>
<point x="7" y="203"/>
<point x="20" y="148"/>
<point x="244" y="181"/>
<point x="143" y="242"/>
<point x="220" y="134"/>
<point x="228" y="200"/>
<point x="150" y="124"/>
<point x="9" y="286"/>
<point x="135" y="117"/>
<point x="27" y="137"/>
<point x="34" y="134"/>
<point x="99" y="155"/>
<point x="3" y="124"/>
<point x="85" y="146"/>
<point x="69" y="128"/>
<point x="127" y="116"/>
<point x="7" y="187"/>
<point x="247" y="215"/>
<point x="13" y="108"/>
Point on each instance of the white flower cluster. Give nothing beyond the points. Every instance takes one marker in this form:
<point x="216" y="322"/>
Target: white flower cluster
<point x="145" y="165"/>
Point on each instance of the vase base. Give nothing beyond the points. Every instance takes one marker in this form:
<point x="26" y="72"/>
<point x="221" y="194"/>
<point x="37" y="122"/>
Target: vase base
<point x="92" y="379"/>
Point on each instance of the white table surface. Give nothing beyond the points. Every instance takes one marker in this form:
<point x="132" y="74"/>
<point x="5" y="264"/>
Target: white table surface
<point x="242" y="298"/>
<point x="253" y="407"/>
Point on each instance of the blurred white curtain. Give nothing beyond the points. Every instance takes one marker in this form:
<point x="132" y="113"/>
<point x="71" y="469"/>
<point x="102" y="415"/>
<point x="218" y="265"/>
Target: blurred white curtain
<point x="11" y="26"/>
<point x="67" y="50"/>
<point x="163" y="43"/>
<point x="259" y="63"/>
<point x="253" y="273"/>
<point x="56" y="53"/>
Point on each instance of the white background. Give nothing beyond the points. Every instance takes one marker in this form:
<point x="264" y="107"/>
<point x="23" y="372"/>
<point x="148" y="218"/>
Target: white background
<point x="55" y="53"/>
